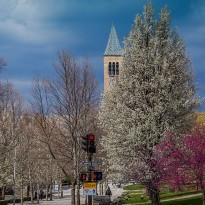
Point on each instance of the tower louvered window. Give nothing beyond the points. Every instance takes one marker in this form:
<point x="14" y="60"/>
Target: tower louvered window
<point x="110" y="68"/>
<point x="113" y="68"/>
<point x="117" y="68"/>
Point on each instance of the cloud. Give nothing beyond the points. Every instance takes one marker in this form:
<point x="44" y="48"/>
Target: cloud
<point x="31" y="22"/>
<point x="32" y="31"/>
<point x="21" y="83"/>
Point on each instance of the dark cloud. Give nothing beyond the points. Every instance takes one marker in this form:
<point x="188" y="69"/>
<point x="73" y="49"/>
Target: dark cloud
<point x="31" y="32"/>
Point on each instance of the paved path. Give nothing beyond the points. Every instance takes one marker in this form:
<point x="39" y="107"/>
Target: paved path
<point x="182" y="197"/>
<point x="115" y="192"/>
<point x="63" y="201"/>
<point x="66" y="200"/>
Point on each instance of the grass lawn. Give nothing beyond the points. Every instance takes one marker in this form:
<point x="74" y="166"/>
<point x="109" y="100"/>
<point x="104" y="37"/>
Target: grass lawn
<point x="176" y="194"/>
<point x="191" y="201"/>
<point x="136" y="197"/>
<point x="134" y="187"/>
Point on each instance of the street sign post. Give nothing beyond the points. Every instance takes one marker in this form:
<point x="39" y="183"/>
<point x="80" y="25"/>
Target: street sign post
<point x="91" y="176"/>
<point x="89" y="188"/>
<point x="90" y="163"/>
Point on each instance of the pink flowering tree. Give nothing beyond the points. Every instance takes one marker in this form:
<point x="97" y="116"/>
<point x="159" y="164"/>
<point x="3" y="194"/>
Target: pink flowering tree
<point x="169" y="162"/>
<point x="183" y="162"/>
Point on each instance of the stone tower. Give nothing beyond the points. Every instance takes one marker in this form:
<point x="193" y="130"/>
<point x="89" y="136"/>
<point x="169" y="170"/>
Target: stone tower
<point x="112" y="60"/>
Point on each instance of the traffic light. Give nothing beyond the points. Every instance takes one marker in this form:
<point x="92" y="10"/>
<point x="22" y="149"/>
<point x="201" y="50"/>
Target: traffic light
<point x="91" y="143"/>
<point x="97" y="176"/>
<point x="85" y="143"/>
<point x="83" y="176"/>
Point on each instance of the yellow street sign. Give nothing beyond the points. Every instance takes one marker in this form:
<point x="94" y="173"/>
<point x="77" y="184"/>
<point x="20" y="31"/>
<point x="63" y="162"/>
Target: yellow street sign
<point x="89" y="185"/>
<point x="89" y="188"/>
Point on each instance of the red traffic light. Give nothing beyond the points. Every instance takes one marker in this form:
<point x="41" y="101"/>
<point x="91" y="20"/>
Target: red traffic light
<point x="94" y="176"/>
<point x="83" y="176"/>
<point x="91" y="137"/>
<point x="91" y="143"/>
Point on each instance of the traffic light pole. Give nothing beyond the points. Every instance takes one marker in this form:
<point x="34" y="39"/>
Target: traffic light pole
<point x="88" y="145"/>
<point x="89" y="177"/>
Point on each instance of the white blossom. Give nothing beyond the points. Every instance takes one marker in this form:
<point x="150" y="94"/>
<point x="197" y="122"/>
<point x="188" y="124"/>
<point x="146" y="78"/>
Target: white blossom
<point x="155" y="94"/>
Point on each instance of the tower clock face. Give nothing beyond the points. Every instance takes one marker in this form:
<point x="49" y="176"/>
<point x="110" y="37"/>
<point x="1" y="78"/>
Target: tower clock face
<point x="112" y="82"/>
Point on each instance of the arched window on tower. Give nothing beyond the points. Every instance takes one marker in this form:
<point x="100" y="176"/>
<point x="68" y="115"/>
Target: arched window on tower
<point x="113" y="68"/>
<point x="110" y="69"/>
<point x="117" y="68"/>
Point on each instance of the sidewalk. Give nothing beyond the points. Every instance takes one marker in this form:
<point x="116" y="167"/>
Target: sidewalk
<point x="66" y="200"/>
<point x="63" y="201"/>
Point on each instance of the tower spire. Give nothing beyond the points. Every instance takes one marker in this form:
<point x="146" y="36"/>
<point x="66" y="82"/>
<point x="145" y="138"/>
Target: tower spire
<point x="113" y="46"/>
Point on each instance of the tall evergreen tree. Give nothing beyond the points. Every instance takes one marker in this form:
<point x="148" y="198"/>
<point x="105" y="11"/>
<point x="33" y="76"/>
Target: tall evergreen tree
<point x="155" y="94"/>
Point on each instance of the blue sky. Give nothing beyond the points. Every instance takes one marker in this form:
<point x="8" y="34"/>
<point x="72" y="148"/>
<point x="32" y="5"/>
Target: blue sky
<point x="33" y="31"/>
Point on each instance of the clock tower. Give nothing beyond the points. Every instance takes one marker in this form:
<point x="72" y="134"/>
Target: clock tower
<point x="112" y="60"/>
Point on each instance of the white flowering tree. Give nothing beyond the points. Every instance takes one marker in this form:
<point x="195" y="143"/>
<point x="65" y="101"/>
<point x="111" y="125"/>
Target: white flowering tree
<point x="155" y="94"/>
<point x="10" y="121"/>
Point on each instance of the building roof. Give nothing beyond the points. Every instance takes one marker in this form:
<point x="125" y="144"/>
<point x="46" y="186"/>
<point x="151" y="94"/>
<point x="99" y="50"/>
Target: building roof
<point x="113" y="46"/>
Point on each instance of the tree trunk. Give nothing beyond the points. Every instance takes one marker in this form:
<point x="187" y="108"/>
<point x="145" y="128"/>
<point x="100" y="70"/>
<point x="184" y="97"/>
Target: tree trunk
<point x="58" y="184"/>
<point x="31" y="192"/>
<point x="78" y="192"/>
<point x="14" y="178"/>
<point x="21" y="190"/>
<point x="31" y="186"/>
<point x="102" y="189"/>
<point x="61" y="189"/>
<point x="51" y="190"/>
<point x="74" y="183"/>
<point x="203" y="192"/>
<point x="154" y="196"/>
<point x="27" y="191"/>
<point x="3" y="193"/>
<point x="47" y="190"/>
<point x="77" y="151"/>
<point x="38" y="192"/>
<point x="73" y="193"/>
<point x="105" y="185"/>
